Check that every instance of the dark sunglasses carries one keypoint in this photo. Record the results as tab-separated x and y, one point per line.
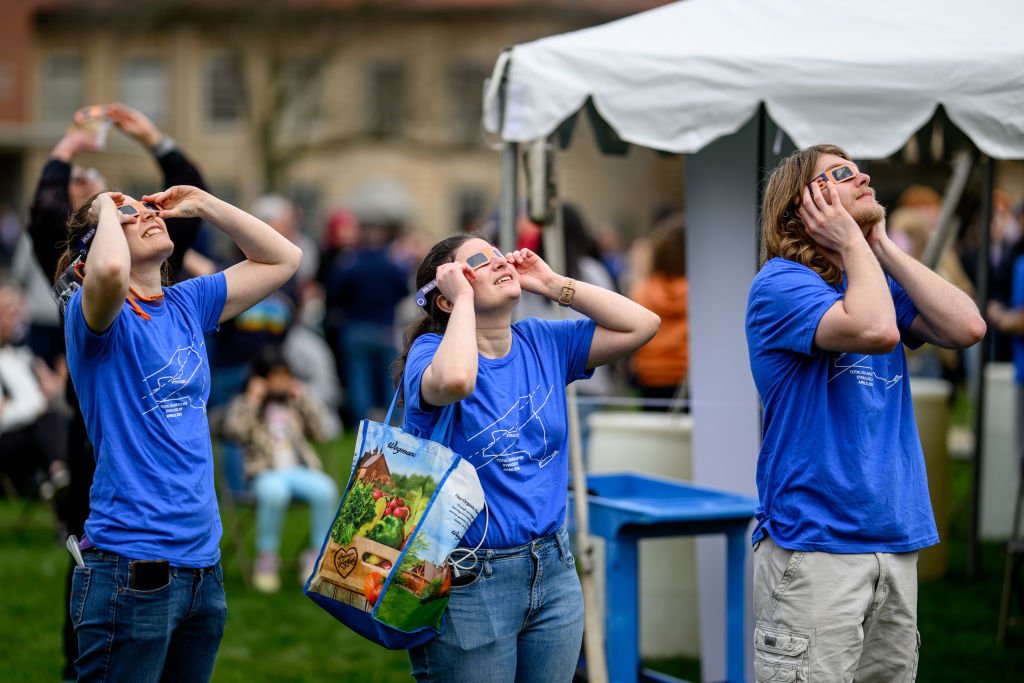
475	261
838	174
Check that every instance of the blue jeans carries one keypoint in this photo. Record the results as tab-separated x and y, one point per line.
368	350
168	634
520	618
274	490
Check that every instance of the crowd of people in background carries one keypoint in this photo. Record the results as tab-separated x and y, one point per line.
316	356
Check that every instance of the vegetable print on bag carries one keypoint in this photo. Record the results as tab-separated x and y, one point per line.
382	570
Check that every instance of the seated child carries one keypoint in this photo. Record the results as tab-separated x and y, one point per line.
274	421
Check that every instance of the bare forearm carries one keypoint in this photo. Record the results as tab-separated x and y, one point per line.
951	315
109	261
454	366
867	301
258	241
605	307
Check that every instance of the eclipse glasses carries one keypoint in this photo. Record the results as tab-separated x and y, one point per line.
130	207
838	174
475	261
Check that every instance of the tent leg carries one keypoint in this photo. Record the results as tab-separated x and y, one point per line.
978	384
508	208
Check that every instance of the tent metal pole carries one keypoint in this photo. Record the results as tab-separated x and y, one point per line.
978	383
509	200
945	233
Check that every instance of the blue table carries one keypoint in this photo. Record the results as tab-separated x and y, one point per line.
627	507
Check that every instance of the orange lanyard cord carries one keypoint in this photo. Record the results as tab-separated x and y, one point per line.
131	299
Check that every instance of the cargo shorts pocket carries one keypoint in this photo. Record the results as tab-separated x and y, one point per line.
780	655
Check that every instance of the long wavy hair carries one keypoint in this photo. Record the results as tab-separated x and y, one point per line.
435	320
782	232
79	223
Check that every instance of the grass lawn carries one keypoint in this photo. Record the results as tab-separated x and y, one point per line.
285	637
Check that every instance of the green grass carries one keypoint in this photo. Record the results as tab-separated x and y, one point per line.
285	637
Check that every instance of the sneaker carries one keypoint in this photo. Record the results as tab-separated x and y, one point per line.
264	574
307	565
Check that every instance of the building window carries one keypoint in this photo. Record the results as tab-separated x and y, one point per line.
466	93
301	79
386	98
144	86
61	89
225	92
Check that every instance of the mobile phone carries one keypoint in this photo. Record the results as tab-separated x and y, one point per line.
148	575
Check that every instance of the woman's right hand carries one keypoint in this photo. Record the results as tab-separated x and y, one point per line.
454	280
180	201
104	200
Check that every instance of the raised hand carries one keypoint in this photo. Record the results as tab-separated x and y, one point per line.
453	280
256	390
180	201
134	123
534	274
826	220
108	201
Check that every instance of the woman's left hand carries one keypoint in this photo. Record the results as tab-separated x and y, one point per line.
534	274
180	201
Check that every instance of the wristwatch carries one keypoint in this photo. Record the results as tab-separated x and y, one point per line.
568	291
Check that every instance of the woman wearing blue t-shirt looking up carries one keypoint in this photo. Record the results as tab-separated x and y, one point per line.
147	600
516	614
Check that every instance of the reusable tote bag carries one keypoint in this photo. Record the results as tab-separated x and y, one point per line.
382	570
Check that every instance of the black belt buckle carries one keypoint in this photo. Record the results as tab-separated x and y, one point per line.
148	575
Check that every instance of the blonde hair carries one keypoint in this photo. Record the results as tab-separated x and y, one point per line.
782	233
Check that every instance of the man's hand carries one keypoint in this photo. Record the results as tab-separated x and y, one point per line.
134	123
876	234
827	222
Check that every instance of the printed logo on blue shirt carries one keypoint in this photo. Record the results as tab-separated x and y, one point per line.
180	383
861	368
517	437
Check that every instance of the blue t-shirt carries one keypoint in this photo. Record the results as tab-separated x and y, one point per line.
143	386
514	427
841	468
1017	301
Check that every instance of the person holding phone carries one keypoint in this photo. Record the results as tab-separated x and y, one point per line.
516	607
841	479
147	598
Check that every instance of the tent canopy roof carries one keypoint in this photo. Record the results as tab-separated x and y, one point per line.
864	75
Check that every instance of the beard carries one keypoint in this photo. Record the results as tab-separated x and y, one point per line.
868	216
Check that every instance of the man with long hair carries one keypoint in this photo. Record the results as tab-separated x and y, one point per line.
841	478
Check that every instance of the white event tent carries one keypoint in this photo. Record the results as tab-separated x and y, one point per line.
691	77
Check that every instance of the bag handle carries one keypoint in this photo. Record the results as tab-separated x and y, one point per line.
442	432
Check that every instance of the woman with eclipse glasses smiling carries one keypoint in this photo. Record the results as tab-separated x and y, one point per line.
516	608
147	597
